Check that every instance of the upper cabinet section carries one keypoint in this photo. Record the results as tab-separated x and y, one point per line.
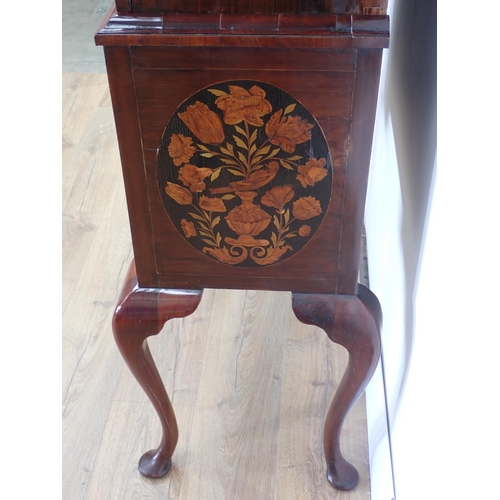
363	7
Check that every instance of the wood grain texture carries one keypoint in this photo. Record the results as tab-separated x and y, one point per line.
185	58
237	349
312	371
95	231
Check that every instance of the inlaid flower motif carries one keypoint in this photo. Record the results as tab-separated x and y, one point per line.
271	255
212	204
204	123
313	171
192	177
224	255
304	230
179	194
240	104
278	197
181	149
247	141
188	228
287	132
247	220
306	208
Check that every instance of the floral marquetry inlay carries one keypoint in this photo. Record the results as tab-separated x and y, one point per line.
245	173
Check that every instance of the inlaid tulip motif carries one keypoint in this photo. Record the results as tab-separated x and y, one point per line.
242	165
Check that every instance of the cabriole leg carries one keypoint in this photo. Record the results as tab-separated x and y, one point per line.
140	313
353	321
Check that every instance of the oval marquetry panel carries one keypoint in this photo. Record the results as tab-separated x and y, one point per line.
245	173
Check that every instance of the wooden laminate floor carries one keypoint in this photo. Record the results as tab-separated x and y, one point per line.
250	385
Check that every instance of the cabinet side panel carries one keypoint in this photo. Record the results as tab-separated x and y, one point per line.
326	93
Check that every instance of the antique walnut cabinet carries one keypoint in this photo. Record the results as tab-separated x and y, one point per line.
245	130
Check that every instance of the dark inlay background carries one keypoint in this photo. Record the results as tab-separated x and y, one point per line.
245	173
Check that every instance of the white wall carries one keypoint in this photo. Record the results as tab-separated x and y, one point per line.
400	188
433	239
